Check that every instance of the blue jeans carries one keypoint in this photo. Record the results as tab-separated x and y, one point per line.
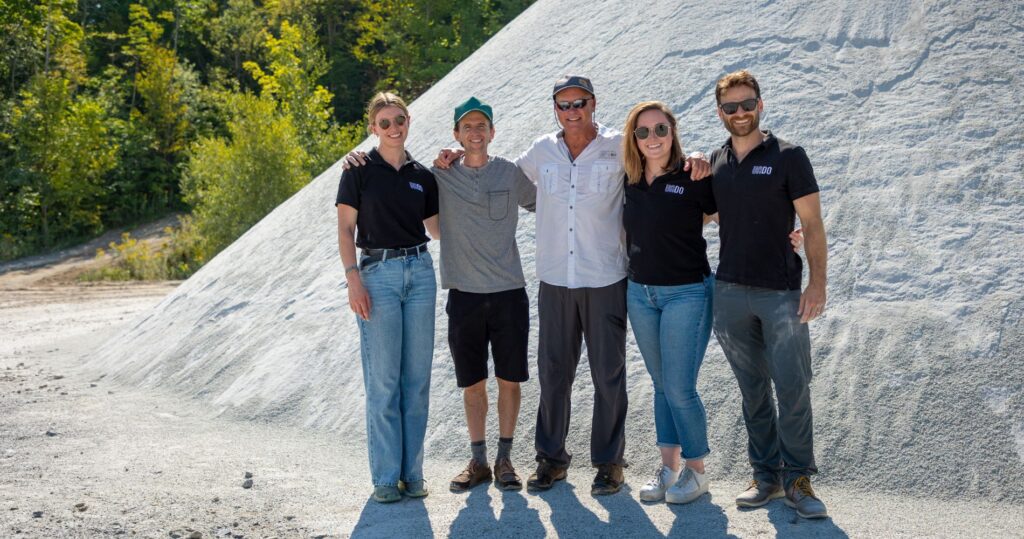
672	325
397	344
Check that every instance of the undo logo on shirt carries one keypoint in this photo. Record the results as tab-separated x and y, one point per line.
761	170
416	186
674	189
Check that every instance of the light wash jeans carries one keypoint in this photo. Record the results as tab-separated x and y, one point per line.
672	325
397	351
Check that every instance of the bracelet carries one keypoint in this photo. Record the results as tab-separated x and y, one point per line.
350	268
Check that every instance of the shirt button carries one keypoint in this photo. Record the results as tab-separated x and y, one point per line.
570	207
570	230
573	186
570	252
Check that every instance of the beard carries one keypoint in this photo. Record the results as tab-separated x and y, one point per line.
755	122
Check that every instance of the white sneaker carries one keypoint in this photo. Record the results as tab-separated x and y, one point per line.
690	486
654	490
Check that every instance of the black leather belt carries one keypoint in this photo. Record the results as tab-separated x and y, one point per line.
375	255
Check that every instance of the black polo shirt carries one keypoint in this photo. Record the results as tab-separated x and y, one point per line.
756	213
664	225
392	204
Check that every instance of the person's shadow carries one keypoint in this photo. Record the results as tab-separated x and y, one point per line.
571	519
406	518
788	524
477	519
699	518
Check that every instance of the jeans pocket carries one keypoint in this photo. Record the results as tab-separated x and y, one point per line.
368	265
497	205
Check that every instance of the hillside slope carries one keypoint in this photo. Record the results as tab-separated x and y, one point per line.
910	113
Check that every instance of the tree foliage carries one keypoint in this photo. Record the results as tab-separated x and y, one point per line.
117	111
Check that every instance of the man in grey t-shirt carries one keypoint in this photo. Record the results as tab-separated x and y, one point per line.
480	267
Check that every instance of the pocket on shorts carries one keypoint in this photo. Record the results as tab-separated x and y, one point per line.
497	204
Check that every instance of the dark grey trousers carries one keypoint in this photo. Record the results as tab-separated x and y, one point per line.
764	341
598	317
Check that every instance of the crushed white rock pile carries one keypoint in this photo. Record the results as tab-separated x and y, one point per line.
911	115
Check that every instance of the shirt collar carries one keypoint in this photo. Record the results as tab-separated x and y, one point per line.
374	157
769	140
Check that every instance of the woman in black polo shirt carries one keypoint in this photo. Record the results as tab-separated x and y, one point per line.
669	293
382	209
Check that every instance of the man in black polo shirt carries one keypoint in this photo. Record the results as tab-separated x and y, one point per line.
760	184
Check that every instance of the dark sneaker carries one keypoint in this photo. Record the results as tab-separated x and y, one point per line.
800	496
386	494
547	473
505	475
416	489
758	494
474	474
609	480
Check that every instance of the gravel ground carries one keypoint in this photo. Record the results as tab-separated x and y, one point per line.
83	457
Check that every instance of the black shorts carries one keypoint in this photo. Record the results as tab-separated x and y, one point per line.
499	318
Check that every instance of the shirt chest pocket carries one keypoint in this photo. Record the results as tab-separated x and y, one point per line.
550	182
497	205
604	178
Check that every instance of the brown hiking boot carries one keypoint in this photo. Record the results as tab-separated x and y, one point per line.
609	480
547	473
474	474
505	475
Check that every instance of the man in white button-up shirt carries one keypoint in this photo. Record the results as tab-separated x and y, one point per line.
581	263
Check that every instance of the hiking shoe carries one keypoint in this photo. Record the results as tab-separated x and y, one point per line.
415	489
386	494
609	480
758	494
654	490
800	496
690	486
474	474
505	475
547	473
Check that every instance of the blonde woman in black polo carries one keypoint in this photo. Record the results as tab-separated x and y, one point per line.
382	209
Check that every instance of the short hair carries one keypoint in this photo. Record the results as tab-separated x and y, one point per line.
632	159
736	78
380	101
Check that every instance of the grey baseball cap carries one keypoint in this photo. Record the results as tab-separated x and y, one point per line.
573	81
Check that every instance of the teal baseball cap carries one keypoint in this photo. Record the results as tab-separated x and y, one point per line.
470	105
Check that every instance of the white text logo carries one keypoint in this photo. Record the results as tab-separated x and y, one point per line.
761	170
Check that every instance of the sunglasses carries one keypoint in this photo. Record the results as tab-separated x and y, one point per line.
748	105
660	130
577	104
385	123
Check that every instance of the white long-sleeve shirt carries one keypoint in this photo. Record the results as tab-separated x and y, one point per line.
580	239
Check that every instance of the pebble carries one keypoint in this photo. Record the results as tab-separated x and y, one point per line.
37	514
248	475
216	499
247	483
51	433
81	506
195	535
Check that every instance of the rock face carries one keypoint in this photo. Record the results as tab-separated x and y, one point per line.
911	114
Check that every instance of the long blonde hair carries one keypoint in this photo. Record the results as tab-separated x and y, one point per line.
378	102
632	159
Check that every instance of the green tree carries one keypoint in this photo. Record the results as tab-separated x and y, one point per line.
59	154
232	183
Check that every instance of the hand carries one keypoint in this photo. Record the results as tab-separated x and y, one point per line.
796	238
358	297
698	166
812	303
447	156
353	159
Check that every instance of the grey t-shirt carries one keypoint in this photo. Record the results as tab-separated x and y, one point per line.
478	215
